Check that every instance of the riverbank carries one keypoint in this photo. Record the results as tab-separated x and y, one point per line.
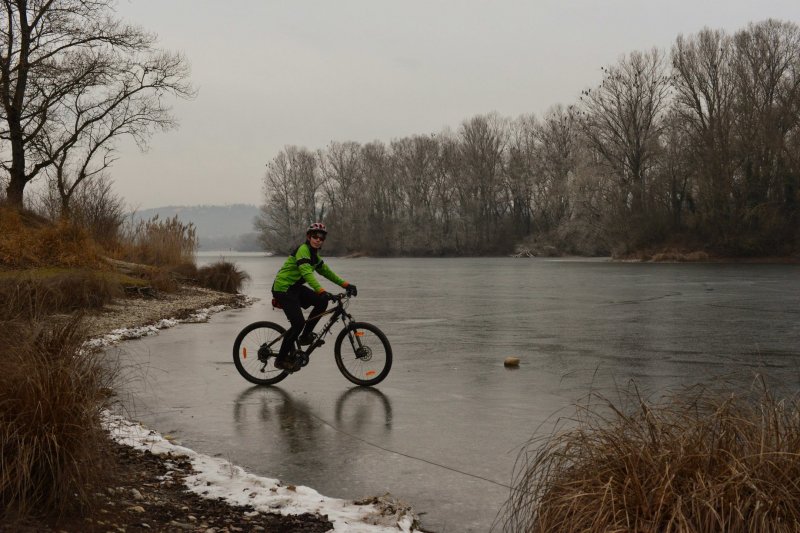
148	312
151	486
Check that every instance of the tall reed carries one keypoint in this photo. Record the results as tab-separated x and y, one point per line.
53	448
699	460
157	242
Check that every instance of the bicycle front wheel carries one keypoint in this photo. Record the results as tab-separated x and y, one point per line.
363	354
255	350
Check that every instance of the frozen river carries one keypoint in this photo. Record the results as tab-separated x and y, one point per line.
443	431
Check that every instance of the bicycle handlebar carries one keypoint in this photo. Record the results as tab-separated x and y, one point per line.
341	296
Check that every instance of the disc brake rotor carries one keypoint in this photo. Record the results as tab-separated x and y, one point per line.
364	353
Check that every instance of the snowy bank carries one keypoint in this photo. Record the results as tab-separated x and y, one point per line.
122	334
217	478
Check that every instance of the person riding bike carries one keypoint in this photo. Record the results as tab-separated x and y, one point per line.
291	293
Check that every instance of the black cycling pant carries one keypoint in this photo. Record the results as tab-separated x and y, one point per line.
293	301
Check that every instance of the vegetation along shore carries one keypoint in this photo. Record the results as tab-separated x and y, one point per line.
60	469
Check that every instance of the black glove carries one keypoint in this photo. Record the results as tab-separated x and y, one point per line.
351	290
330	296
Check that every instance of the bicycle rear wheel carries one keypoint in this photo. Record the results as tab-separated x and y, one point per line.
255	350
366	358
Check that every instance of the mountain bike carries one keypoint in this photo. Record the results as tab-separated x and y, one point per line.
362	351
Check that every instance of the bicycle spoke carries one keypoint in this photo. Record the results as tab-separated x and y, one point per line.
366	357
255	350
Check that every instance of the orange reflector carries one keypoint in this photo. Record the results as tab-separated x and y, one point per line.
244	353
359	333
370	373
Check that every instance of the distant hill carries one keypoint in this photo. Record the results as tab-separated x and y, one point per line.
219	227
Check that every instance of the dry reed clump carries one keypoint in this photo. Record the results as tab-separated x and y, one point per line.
697	461
28	241
158	242
53	451
222	276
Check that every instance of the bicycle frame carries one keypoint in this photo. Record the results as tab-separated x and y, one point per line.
338	312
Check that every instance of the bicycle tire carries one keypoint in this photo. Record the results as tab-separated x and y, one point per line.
252	365
366	369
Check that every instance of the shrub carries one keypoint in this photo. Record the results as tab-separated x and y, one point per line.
92	206
696	461
53	451
222	276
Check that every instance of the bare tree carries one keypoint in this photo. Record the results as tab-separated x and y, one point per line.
705	93
677	171
384	199
558	139
480	185
343	185
444	213
521	172
623	119
72	79
767	66
293	198
738	101
415	160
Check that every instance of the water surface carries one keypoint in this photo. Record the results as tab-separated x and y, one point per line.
443	431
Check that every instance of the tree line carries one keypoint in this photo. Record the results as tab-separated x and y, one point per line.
695	147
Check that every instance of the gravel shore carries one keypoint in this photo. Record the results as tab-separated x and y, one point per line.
144	311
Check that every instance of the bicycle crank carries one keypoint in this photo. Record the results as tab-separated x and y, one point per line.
299	360
302	359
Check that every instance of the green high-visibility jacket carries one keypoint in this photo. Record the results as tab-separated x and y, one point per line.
299	268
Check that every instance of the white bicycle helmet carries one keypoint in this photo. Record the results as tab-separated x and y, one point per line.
317	226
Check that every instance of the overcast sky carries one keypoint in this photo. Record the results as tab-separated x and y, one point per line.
272	73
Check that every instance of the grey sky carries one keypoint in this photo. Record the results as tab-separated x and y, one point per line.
272	73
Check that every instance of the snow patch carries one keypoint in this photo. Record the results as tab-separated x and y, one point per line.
123	334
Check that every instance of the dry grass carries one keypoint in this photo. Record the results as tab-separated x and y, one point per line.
27	241
696	461
34	293
52	446
222	276
162	249
163	243
185	271
53	449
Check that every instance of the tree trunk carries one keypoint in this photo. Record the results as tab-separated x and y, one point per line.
14	192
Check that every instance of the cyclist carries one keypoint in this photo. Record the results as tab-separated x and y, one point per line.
291	294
